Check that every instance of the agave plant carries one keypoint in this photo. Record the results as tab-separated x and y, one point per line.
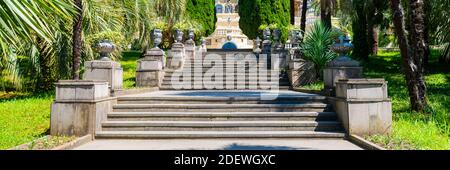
316	46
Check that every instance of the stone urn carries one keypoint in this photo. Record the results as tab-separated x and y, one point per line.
266	34
105	47
276	34
191	35
343	48
157	37
257	48
178	37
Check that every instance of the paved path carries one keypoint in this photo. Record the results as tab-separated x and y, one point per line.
221	144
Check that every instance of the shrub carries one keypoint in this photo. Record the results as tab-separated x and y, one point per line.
256	13
203	13
316	46
117	38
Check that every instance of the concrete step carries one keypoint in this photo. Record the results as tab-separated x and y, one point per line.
211	84
239	84
309	107
220	126
214	134
170	87
224	77
218	100
203	71
221	116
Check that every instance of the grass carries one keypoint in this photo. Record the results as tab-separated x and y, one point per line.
23	117
128	63
46	143
414	130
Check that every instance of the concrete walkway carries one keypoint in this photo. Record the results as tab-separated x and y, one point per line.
221	144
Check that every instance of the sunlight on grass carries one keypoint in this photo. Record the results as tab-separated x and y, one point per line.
128	63
24	119
414	130
411	134
314	86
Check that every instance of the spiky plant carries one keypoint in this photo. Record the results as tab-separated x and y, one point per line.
316	46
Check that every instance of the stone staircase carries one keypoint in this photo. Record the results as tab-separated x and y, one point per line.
216	115
221	113
241	77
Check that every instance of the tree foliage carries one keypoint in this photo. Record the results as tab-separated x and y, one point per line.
264	12
203	13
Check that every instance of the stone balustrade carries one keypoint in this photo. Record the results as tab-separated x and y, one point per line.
363	106
80	106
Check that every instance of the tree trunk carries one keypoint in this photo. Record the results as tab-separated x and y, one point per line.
427	7
359	27
325	12
420	48
293	12
372	32
46	77
303	20
77	40
413	73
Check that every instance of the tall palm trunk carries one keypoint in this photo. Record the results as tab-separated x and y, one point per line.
77	41
420	48
412	67
427	7
46	78
360	32
372	31
325	12
303	20
293	11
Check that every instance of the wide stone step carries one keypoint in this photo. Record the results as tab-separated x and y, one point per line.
223	82
214	134
220	126
309	107
218	100
221	116
211	84
203	71
170	87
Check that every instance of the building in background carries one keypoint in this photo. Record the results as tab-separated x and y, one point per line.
311	15
228	34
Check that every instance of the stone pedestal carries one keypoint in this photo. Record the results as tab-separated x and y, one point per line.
175	60
340	68
190	49
150	69
279	59
301	72
109	71
80	107
363	106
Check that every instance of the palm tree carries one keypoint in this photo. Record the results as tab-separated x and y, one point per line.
303	19
77	39
411	59
27	30
325	12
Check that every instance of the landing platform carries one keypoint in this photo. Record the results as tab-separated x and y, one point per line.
222	144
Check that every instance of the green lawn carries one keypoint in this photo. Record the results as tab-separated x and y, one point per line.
23	117
414	130
128	63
